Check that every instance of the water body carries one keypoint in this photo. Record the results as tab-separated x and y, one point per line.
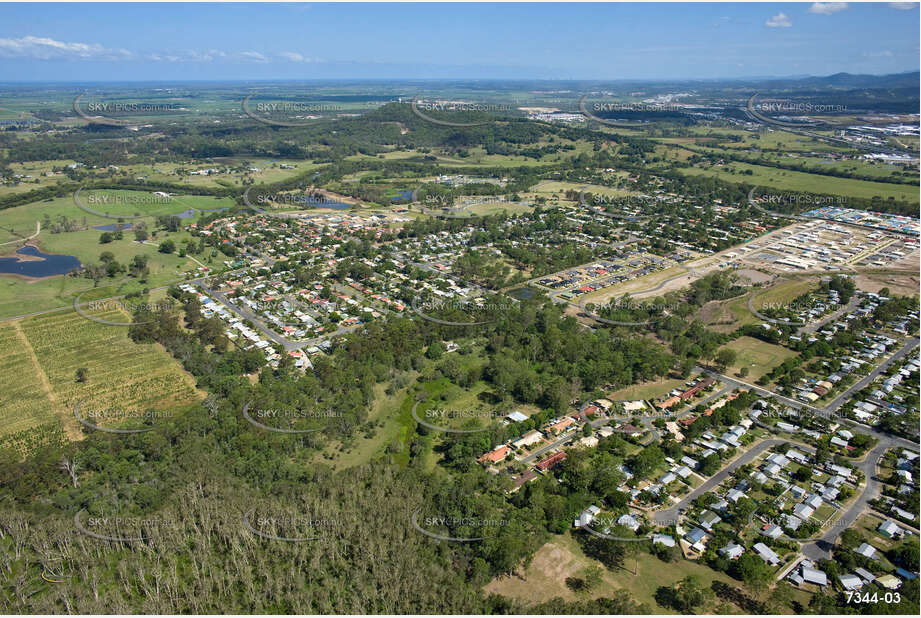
406	195
48	266
188	214
112	227
522	293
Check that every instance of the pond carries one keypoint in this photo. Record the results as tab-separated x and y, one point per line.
112	227
48	266
405	195
522	293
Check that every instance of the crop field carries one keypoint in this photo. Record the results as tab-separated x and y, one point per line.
121	375
24	403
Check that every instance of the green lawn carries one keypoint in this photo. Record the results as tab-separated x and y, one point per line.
801	181
647	390
759	356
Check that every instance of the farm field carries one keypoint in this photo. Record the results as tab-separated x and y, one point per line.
122	377
24	403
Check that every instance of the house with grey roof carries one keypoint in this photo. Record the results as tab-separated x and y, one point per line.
866	550
766	553
814	576
850	582
732	551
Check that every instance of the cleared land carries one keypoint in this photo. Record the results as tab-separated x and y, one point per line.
545	577
759	356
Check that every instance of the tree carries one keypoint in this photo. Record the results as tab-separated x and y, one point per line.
724	358
690	594
751	570
167	246
435	351
82	374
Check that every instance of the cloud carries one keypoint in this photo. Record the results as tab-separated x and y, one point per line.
252	56
903	6
827	8
880	54
43	48
186	56
779	21
296	57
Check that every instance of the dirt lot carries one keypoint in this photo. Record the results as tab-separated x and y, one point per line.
906	285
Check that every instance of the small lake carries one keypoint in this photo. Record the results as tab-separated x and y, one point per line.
406	195
333	205
112	227
48	266
522	293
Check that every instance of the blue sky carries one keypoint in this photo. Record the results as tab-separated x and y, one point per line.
101	42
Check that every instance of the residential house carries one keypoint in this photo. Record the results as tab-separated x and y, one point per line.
708	519
889	529
866	550
766	553
814	576
732	551
663	539
586	516
496	455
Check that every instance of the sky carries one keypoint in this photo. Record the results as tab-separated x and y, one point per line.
210	41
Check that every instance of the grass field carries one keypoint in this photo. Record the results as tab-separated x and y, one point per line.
783	292
724	316
800	181
43	354
19	296
759	356
646	390
562	557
